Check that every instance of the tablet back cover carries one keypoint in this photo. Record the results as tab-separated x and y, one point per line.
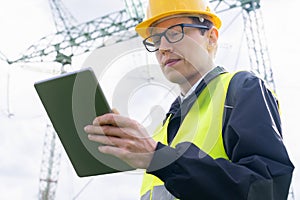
72	101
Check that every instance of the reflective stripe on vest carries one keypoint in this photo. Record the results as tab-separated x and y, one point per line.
203	123
159	193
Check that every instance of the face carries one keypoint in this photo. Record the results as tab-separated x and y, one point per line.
185	62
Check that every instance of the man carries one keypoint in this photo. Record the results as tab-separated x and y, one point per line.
221	138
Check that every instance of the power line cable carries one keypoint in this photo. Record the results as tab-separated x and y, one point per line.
83	188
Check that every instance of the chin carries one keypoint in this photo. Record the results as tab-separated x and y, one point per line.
176	78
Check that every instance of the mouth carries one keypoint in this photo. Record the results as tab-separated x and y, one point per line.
171	62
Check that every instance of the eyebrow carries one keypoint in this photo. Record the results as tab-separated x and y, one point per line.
153	28
150	29
152	32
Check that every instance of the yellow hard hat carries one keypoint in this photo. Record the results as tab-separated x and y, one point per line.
159	9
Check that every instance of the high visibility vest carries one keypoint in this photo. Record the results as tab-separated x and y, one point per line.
202	126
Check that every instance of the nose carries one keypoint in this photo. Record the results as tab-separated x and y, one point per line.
164	46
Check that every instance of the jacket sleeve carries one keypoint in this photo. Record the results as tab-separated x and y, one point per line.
259	166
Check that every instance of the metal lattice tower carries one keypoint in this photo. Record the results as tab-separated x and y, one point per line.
63	45
255	35
63	19
291	194
73	40
51	149
3	57
256	41
50	165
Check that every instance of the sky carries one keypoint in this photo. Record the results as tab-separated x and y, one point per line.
23	121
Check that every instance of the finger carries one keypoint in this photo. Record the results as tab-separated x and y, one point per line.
112	141
114	120
107	131
112	150
114	110
91	129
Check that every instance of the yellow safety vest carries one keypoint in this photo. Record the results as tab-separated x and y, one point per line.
202	126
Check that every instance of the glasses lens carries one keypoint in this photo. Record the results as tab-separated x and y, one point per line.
174	34
152	43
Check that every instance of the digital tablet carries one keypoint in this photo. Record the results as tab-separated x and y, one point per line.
72	100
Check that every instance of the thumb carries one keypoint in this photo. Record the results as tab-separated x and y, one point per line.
114	110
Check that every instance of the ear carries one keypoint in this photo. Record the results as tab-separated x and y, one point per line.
213	36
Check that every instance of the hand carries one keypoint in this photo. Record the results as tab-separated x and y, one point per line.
123	138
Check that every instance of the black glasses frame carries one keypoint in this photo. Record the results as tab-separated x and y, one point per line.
148	42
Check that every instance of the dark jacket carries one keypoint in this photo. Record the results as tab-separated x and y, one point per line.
259	166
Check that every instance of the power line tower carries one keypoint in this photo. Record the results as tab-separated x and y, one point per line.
51	155
3	57
50	165
78	39
257	45
69	40
255	35
63	19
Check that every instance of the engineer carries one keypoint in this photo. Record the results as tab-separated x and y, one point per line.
222	137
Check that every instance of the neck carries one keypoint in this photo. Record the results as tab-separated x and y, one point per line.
186	86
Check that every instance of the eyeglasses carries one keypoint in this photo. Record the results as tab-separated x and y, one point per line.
173	34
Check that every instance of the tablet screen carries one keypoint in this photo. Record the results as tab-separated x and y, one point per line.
72	101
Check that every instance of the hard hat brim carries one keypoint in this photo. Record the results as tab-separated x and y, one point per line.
142	28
